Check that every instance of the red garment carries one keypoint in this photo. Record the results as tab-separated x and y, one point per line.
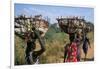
72	53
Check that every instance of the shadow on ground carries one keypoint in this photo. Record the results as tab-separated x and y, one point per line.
87	59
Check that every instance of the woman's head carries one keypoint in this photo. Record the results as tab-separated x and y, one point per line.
72	37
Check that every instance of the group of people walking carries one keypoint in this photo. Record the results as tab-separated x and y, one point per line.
72	51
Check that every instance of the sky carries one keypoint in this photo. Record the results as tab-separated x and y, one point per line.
53	11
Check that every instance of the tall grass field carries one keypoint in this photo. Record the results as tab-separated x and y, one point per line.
54	43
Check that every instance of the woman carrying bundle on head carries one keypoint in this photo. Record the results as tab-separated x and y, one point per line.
32	56
70	54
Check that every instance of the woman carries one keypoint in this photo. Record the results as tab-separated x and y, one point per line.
70	54
32	56
86	43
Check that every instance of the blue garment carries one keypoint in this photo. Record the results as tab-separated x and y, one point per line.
85	45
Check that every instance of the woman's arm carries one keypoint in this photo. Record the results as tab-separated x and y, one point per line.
65	56
41	43
65	53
